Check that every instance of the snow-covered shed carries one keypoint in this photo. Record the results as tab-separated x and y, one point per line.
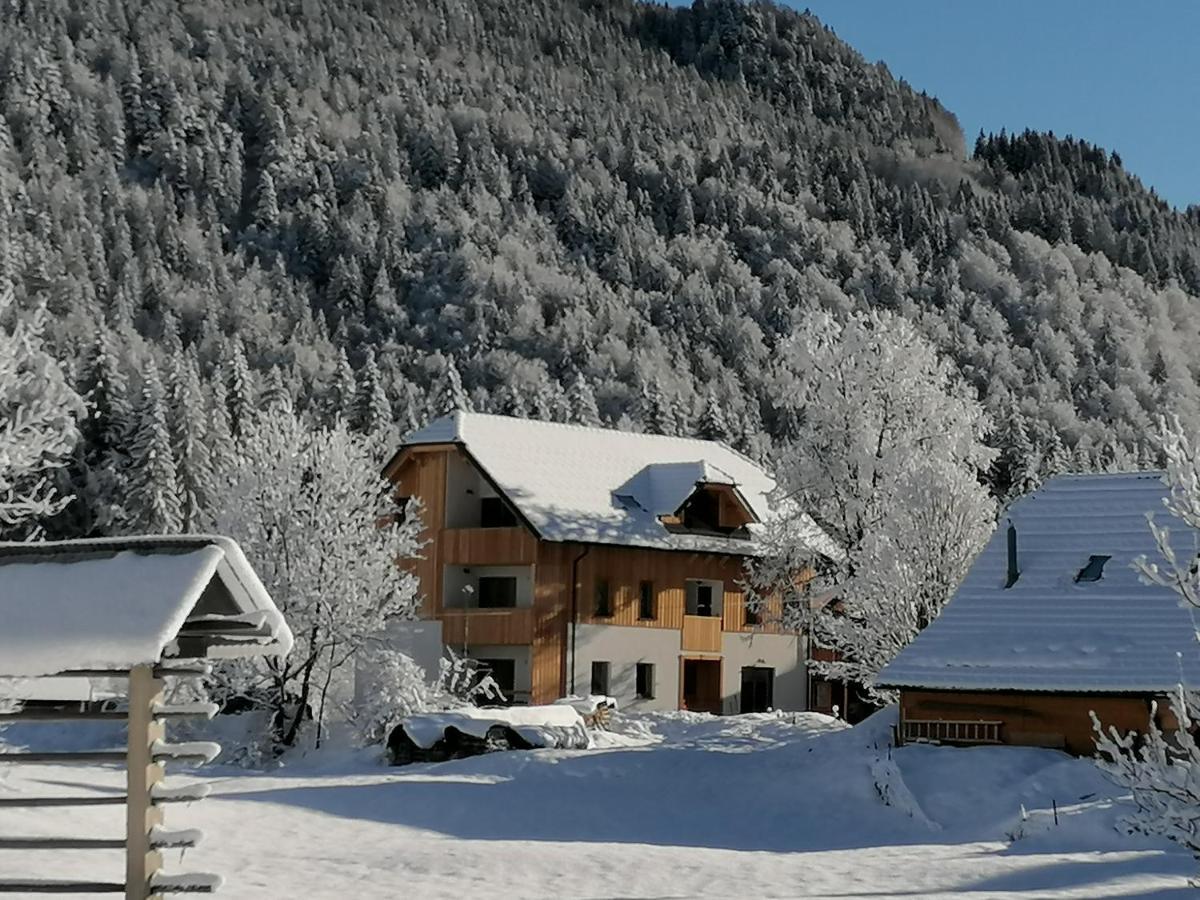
1053	621
112	604
136	610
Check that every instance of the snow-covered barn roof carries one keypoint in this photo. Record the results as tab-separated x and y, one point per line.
597	485
1049	631
111	604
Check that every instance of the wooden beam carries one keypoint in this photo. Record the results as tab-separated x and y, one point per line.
142	861
62	715
38	886
61	843
45	802
61	756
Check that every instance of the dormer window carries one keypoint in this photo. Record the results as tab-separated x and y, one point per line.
1093	570
627	502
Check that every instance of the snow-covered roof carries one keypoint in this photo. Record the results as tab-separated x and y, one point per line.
111	604
596	485
1049	632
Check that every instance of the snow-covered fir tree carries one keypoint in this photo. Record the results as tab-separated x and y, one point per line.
153	480
38	416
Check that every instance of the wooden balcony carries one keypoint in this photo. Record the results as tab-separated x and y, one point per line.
487	546
471	627
702	633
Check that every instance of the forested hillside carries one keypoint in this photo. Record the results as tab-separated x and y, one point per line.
588	210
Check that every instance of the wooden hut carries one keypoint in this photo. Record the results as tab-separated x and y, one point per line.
138	611
1054	622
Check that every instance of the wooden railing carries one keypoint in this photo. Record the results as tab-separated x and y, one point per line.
487	546
950	731
702	633
471	627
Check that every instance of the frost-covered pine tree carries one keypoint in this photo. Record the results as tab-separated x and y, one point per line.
713	426
582	402
315	518
1162	768
888	461
154	496
373	411
189	439
450	394
38	415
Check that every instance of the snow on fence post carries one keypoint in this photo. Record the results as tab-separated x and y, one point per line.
142	861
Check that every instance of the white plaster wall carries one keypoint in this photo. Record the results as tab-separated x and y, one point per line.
623	647
782	652
465	487
422	641
455	578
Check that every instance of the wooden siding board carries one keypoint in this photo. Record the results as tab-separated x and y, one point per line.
476	627
487	546
701	633
1031	719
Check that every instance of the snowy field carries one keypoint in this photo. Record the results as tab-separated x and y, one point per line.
679	805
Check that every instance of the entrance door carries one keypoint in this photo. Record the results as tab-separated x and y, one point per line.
758	684
702	685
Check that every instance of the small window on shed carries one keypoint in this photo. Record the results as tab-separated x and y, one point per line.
1094	568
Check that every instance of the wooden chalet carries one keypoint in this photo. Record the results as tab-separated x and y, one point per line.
1053	622
575	560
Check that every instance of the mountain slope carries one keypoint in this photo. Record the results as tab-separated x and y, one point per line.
570	203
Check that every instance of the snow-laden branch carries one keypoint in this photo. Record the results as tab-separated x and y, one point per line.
38	412
1161	766
887	459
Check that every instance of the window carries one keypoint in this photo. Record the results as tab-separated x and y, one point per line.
646	604
400	510
753	616
704	598
701	512
1094	568
645	681
503	672
495	513
600	678
497	592
603	598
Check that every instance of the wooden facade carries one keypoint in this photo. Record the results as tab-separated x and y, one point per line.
1025	718
620	573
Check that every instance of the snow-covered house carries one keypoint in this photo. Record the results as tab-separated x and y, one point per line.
573	560
1052	622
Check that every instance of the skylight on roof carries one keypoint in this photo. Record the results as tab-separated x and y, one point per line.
1094	568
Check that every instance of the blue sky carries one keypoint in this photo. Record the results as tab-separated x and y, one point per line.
1124	75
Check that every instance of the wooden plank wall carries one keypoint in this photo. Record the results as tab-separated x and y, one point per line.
1032	719
423	474
701	634
499	626
488	546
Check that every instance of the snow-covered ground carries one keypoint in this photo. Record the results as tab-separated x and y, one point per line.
675	805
